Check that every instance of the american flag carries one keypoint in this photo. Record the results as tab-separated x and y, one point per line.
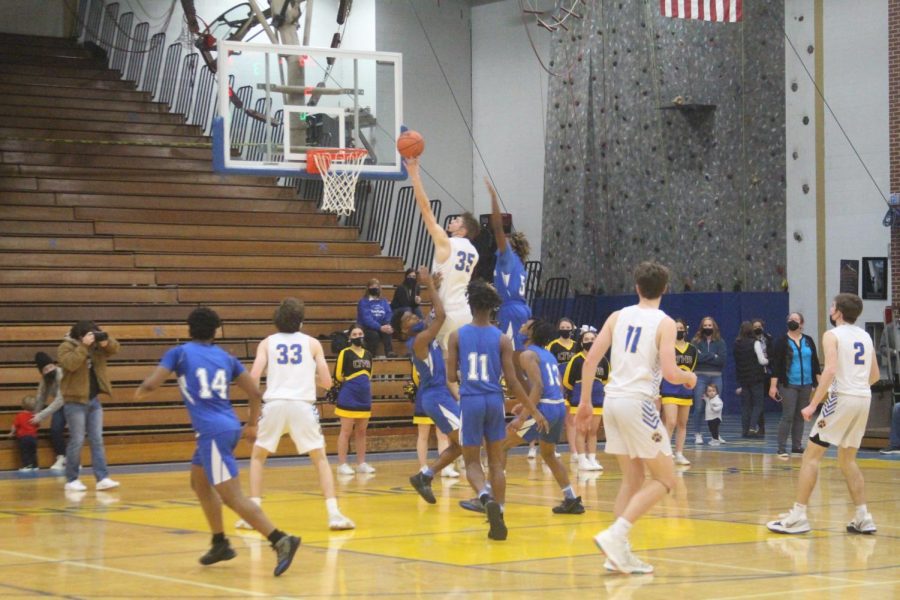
726	11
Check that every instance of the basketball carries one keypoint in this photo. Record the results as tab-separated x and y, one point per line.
410	144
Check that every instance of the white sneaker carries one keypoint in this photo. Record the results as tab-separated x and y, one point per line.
339	522
106	484
557	455
615	548
789	523
573	457
636	566
364	468
345	469
75	486
596	465
60	465
242	524
28	469
721	440
584	464
449	471
532	452
681	460
698	439
715	442
865	525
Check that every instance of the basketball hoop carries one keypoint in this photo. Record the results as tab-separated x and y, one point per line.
340	169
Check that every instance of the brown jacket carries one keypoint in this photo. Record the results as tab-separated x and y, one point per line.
73	357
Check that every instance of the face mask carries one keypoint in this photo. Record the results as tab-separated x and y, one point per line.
374	292
587	345
679	335
565	333
357	342
757	331
793	325
707	331
410	281
418	327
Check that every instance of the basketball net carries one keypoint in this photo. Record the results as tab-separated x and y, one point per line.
340	169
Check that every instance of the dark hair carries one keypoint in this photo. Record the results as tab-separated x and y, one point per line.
542	333
41	360
651	279
289	315
566	320
473	227
355	326
408	271
482	296
746	330
760	321
519	244
799	314
81	329
711	385
397	318
850	306
202	323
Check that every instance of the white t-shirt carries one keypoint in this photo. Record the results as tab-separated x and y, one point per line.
634	360
456	273
855	353
291	372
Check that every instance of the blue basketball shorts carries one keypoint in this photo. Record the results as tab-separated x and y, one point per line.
440	405
510	318
215	453
482	417
556	418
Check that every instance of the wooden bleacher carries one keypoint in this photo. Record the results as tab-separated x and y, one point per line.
109	211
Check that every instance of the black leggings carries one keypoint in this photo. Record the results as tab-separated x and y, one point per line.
713	425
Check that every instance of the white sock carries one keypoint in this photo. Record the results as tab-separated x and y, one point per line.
621	527
256	500
592	457
861	511
800	508
331	506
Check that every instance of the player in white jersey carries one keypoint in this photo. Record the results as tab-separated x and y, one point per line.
642	338
294	363
455	256
850	370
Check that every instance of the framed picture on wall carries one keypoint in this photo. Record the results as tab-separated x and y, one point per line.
849	276
874	278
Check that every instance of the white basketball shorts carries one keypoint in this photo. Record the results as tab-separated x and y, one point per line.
633	428
842	420
298	418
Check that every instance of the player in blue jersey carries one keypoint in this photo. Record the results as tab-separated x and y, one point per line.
437	402
204	373
545	391
478	354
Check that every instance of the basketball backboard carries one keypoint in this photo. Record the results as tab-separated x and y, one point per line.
288	99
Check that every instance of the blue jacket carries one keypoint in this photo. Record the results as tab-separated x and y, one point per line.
710	355
372	314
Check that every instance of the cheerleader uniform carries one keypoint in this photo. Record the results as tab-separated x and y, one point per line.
354	372
563	349
572	381
686	360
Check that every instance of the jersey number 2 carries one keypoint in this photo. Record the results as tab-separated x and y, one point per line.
860	351
634	334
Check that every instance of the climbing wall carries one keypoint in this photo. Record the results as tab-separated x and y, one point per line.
665	141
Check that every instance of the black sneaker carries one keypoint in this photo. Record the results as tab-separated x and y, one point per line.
285	548
796	450
422	483
495	518
570	506
890	450
218	553
474	505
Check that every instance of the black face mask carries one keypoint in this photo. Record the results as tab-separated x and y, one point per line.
679	335
707	331
357	342
374	292
793	325
587	345
565	333
758	331
410	282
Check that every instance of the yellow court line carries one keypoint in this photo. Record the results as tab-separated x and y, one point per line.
85	565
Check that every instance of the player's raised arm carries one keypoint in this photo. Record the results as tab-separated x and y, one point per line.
496	220
591	362
665	336
323	375
260	362
152	382
424	339
437	233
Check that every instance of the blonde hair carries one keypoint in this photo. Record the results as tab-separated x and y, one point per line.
29	402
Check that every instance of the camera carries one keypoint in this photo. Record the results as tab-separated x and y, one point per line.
100	336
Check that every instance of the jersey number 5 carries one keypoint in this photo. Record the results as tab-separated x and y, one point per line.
465	262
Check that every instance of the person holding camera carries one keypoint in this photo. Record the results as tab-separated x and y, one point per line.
82	356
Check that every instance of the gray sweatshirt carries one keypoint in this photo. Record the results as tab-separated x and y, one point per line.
49	391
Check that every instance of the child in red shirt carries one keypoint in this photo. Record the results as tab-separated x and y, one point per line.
25	433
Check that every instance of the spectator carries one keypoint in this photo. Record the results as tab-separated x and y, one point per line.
795	371
710	363
25	433
51	376
406	296
750	365
894	447
714	406
353	371
374	314
759	330
82	356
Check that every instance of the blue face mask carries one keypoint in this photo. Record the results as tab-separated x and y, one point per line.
418	327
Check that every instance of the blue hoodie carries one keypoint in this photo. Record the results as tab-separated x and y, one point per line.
373	313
